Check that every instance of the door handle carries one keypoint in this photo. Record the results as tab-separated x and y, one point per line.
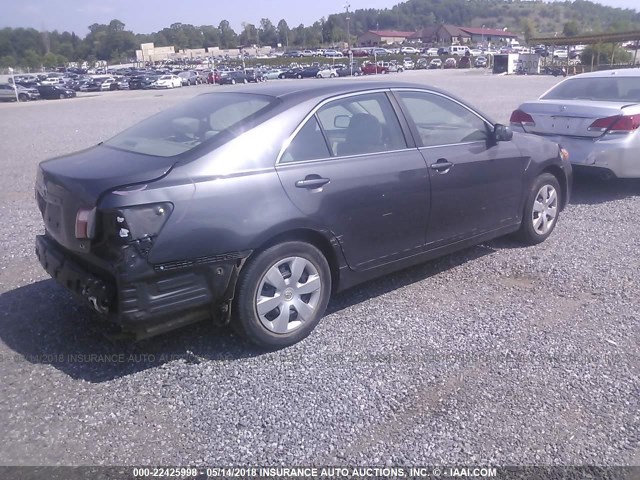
312	182
441	164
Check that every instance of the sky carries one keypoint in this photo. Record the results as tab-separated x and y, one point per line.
147	16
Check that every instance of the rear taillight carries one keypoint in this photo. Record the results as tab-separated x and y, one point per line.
616	124
85	221
522	118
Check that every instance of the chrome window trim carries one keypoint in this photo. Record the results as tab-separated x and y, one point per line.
345	157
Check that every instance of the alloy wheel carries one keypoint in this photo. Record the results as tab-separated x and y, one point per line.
545	209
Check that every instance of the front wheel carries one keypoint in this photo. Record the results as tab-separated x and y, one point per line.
299	76
281	295
233	81
541	210
23	97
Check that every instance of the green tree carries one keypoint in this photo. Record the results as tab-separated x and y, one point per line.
283	33
8	61
228	37
528	29
571	29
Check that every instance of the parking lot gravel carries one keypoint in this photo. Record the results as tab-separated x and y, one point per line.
498	354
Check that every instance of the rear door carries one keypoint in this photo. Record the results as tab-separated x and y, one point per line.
476	184
350	170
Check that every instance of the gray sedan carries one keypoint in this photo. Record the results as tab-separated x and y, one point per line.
252	207
595	116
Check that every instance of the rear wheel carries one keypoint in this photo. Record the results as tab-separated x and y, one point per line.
244	80
541	210
281	295
299	76
233	81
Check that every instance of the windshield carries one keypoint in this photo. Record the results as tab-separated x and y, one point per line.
184	127
606	89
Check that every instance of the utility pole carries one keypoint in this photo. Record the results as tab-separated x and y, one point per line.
346	7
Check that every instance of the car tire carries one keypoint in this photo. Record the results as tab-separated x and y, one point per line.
333	75
244	80
23	97
281	77
233	81
61	96
299	76
267	275
541	210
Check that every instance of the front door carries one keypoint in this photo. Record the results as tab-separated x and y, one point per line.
476	183
349	169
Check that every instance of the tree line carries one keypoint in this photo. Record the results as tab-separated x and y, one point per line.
30	48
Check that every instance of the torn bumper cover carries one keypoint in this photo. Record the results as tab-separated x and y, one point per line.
143	298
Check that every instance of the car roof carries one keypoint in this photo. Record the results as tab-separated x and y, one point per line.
296	92
301	91
623	72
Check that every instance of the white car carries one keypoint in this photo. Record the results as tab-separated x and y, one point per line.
560	53
432	52
168	81
273	74
106	84
408	64
333	53
327	73
409	50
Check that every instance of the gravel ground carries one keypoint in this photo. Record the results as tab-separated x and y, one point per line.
497	354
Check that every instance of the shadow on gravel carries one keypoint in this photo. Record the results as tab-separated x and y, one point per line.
589	190
405	277
43	324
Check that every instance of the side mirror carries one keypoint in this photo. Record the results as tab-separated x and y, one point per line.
502	133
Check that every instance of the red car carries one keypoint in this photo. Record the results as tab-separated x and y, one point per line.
372	68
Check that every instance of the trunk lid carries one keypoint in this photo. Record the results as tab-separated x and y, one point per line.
569	117
66	184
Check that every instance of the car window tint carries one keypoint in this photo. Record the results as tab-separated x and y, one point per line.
442	121
308	144
186	126
361	124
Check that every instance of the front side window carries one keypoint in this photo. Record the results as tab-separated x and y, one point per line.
221	116
442	121
361	124
308	144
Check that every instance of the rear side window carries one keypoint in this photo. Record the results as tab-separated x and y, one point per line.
220	116
606	89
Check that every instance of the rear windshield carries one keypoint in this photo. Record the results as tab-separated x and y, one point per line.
606	89
188	125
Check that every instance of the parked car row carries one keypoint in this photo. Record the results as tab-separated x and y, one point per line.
20	93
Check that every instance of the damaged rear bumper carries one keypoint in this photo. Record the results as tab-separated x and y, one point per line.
143	298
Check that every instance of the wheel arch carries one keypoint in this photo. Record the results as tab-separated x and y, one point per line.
328	247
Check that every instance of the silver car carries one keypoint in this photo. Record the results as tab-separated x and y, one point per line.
8	93
595	116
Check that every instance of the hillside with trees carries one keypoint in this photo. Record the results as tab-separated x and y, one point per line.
30	48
